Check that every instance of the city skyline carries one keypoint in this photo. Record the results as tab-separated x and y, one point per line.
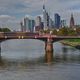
12	12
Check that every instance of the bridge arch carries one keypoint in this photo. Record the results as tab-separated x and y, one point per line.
28	47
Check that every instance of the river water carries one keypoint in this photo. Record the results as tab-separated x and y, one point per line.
24	60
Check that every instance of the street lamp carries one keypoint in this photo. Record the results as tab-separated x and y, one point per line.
74	29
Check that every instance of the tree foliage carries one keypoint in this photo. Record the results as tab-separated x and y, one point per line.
78	30
63	31
5	30
72	32
54	32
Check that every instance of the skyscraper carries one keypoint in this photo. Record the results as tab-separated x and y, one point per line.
45	18
51	23
38	21
72	23
24	29
63	23
21	23
31	25
57	20
26	24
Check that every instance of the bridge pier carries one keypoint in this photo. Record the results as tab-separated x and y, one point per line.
48	51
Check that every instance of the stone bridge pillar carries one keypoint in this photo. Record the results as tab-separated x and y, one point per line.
49	50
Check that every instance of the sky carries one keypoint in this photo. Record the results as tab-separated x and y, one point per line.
12	12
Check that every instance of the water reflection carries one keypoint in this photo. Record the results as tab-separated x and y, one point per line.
64	53
24	61
33	51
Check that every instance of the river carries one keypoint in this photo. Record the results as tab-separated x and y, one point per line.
24	60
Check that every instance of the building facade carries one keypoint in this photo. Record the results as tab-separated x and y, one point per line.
72	23
38	24
26	24
57	20
38	21
22	27
63	23
51	23
31	25
45	18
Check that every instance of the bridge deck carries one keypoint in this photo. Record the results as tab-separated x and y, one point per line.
28	35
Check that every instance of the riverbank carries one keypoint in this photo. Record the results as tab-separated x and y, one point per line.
73	43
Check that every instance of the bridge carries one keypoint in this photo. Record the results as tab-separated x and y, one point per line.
47	38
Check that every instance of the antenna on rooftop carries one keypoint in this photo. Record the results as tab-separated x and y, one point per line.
43	4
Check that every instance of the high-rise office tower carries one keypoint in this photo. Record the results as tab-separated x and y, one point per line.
51	23
38	21
72	23
63	23
31	25
57	20
45	18
22	27
26	24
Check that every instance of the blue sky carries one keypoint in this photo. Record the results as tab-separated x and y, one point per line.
13	11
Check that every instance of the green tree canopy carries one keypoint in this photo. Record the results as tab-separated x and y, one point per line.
63	31
5	30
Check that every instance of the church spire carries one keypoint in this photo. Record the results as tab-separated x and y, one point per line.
72	23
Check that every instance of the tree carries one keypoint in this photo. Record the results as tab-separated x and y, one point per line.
4	30
63	31
54	32
0	29
47	31
78	30
72	32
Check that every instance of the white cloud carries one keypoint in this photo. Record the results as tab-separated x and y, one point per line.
9	22
22	8
6	17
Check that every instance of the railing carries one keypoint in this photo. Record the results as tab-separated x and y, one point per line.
22	35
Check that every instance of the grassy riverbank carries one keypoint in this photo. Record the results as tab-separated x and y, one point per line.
72	42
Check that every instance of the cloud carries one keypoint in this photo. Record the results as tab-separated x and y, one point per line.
15	7
9	22
6	17
12	11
